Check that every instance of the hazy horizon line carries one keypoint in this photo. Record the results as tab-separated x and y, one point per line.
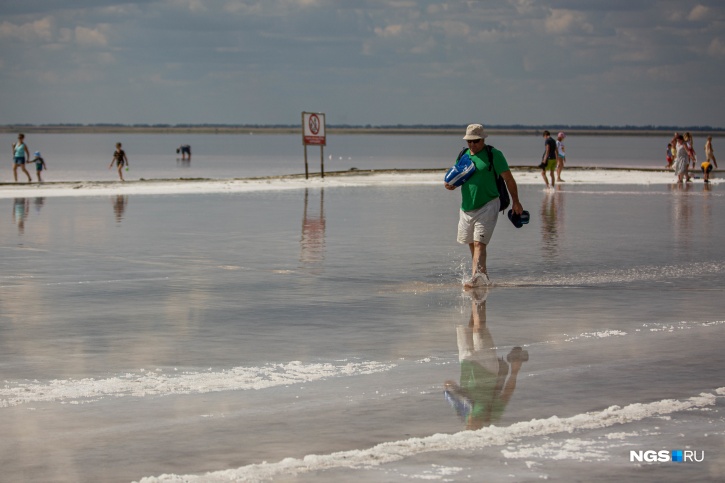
444	126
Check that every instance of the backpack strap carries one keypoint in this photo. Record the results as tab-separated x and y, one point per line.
489	151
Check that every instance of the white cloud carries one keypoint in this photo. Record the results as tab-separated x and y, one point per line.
91	37
716	48
190	5
389	31
452	28
41	29
699	12
567	21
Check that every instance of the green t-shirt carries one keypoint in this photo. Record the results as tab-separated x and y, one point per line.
481	187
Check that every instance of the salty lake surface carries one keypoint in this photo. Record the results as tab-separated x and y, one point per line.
147	335
75	157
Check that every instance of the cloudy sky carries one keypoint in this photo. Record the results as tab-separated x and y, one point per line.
615	62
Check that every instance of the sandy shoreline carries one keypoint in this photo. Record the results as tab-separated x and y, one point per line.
524	176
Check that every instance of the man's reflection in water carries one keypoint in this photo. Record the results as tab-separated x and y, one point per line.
119	206
487	381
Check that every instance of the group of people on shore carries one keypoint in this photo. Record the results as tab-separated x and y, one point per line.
681	155
21	157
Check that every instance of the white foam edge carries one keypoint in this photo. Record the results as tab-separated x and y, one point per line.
155	383
466	440
181	186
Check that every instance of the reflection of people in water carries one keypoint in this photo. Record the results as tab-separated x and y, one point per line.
487	381
38	203
185	150
119	206
21	206
552	211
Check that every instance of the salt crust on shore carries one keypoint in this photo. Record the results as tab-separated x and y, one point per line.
465	440
332	180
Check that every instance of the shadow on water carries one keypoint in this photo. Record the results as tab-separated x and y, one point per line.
487	381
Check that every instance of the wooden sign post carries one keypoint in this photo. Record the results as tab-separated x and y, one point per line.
313	132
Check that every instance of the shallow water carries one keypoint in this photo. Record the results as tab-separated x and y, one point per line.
86	157
145	335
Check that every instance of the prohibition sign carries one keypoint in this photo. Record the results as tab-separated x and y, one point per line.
314	124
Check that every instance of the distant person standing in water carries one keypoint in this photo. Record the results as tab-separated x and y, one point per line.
707	165
682	160
20	156
119	157
548	160
709	152
184	149
690	146
560	155
39	165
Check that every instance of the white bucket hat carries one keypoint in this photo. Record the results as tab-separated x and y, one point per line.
475	131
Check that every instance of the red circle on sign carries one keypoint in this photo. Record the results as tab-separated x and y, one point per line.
314	124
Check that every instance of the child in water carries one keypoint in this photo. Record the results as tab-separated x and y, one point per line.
39	165
668	156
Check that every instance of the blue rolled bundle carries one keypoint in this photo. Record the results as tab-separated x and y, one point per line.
460	172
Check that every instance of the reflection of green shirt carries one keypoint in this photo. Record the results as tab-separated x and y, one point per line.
480	386
481	187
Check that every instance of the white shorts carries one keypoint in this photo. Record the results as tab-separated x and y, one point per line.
478	225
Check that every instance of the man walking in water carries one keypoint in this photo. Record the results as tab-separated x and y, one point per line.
480	202
548	161
21	154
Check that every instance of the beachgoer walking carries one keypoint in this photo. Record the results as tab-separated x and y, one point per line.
20	156
690	146
673	150
119	157
184	149
39	165
709	152
682	160
548	160
669	156
560	155
480	202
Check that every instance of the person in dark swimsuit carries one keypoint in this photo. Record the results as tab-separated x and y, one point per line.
119	157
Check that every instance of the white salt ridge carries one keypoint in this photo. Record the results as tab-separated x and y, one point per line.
75	391
682	325
465	440
571	449
597	335
179	186
635	274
